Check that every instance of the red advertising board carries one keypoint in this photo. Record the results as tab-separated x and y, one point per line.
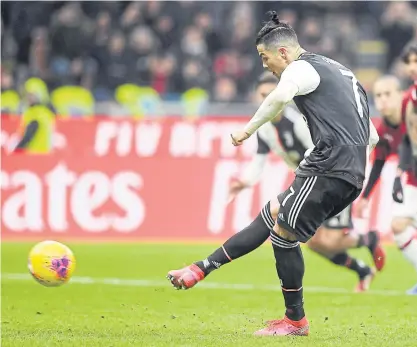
112	179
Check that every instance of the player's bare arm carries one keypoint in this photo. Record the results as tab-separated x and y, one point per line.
299	78
271	108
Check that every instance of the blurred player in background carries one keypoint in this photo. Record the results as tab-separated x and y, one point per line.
328	179
404	222
387	96
289	138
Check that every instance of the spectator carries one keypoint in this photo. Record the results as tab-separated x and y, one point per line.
289	16
347	38
398	25
166	31
193	75
131	17
229	63
25	16
39	53
70	36
152	10
204	22
7	81
116	64
102	29
162	70
311	33
193	44
143	43
225	90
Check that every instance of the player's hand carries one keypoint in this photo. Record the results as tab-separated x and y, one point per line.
238	137
361	206
397	190
236	186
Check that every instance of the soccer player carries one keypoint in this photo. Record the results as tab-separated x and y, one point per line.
327	180
404	222
387	96
290	138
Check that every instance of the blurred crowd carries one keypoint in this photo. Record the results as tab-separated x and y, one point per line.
175	46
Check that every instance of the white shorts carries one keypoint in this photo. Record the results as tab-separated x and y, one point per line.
408	209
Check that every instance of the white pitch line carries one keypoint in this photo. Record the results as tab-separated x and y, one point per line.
203	285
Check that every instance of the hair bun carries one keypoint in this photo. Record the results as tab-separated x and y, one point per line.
274	17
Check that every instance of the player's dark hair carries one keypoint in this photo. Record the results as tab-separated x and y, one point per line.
275	31
410	49
265	78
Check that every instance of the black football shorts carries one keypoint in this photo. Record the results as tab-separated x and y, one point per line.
343	220
310	201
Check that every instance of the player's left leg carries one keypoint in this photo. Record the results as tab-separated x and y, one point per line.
290	268
302	209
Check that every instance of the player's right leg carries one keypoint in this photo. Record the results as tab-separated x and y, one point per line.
404	227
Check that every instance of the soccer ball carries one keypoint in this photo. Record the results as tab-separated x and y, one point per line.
51	263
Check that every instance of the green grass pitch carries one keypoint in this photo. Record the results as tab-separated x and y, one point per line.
119	297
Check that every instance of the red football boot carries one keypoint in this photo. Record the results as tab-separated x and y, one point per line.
284	327
379	257
378	253
186	277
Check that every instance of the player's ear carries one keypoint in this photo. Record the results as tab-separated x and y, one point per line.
282	52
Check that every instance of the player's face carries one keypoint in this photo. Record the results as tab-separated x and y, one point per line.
387	97
411	66
273	60
263	91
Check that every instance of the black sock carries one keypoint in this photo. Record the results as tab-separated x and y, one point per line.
290	268
361	241
372	240
343	259
241	243
369	240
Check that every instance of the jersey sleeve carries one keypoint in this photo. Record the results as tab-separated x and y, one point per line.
373	177
30	132
405	154
382	149
302	74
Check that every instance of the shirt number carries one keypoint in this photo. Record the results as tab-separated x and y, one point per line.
349	74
